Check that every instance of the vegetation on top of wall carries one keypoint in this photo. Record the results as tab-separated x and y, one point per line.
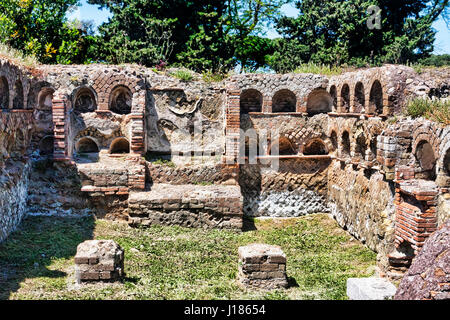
318	68
17	57
432	109
182	74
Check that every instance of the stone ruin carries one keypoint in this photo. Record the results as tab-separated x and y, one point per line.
262	266
99	260
131	144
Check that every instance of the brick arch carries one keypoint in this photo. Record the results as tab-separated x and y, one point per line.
4	92
315	146
444	159
361	144
359	98
334	95
87	144
285	146
250	100
345	143
45	97
84	99
427	133
284	100
119	145
345	98
106	83
46	145
19	95
376	97
120	100
319	101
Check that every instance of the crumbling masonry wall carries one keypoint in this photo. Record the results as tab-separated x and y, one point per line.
16	129
273	145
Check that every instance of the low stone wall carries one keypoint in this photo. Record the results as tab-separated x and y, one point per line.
196	174
297	188
13	197
188	206
363	204
112	176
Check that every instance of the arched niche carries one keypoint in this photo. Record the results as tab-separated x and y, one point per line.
46	146
319	101
251	100
360	98
45	98
333	94
119	146
86	145
282	147
4	93
426	160
18	101
85	100
315	147
334	140
345	144
120	100
447	163
361	146
345	98
284	101
376	97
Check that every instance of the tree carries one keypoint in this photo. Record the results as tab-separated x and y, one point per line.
336	32
204	35
40	28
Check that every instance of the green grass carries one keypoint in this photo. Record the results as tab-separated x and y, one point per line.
183	75
180	263
435	110
210	77
319	69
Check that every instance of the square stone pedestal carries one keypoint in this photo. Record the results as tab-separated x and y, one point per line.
99	260
262	266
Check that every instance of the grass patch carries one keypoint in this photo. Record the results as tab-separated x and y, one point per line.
181	263
319	69
183	75
210	77
435	110
18	57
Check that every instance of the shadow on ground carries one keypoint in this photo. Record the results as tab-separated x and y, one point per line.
39	241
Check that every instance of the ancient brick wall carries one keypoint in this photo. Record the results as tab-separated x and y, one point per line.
193	174
16	129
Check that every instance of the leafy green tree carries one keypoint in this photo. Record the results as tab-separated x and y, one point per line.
336	32
204	35
40	28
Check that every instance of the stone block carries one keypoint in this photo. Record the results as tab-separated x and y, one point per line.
370	289
99	260
262	266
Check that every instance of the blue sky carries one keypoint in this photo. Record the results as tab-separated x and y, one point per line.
91	12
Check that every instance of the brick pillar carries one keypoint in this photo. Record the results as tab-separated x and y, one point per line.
59	121
137	145
232	126
267	104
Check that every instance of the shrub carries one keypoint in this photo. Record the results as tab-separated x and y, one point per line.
183	75
435	110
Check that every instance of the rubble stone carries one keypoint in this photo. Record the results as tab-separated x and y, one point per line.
99	260
262	266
